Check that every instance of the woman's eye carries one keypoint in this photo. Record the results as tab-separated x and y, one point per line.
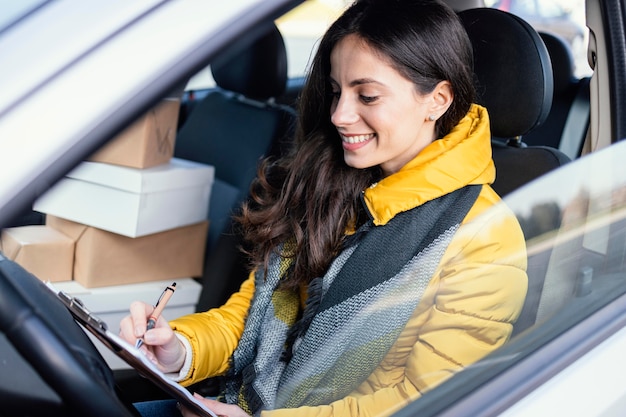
335	94
368	99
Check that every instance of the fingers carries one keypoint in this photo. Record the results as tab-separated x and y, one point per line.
167	349
133	326
139	313
160	345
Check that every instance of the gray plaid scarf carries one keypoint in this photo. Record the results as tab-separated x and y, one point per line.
353	315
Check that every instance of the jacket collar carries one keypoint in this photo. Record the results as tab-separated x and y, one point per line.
460	158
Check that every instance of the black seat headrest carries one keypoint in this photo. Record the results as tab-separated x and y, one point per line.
513	70
258	72
563	65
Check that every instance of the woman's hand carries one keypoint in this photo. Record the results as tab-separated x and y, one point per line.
219	408
160	344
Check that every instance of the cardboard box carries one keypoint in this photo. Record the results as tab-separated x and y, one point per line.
44	252
111	304
103	258
129	201
146	143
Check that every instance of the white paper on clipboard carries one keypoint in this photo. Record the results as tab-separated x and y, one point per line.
133	356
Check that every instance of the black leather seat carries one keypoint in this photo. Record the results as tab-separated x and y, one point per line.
233	126
515	84
566	125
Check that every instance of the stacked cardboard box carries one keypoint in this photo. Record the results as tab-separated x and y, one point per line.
146	143
41	250
123	225
129	214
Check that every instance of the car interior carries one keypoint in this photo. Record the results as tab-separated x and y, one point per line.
242	106
539	113
566	126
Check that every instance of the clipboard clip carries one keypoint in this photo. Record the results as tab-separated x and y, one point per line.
80	312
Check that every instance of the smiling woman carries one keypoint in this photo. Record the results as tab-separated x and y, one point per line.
354	313
382	117
375	274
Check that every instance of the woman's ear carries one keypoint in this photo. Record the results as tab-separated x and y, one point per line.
442	97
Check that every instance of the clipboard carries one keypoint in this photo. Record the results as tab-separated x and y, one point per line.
133	356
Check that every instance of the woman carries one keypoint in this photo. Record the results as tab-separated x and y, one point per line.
377	270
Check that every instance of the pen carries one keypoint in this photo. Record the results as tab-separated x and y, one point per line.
158	309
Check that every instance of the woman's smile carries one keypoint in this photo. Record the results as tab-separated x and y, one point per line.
352	142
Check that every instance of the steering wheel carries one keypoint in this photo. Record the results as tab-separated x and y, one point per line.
46	338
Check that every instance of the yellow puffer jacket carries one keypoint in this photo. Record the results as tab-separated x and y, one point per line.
467	310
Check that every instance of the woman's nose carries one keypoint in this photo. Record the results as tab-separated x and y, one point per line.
343	112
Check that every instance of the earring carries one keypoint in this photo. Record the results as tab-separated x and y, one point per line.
432	118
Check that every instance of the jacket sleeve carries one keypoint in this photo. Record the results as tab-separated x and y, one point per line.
215	333
466	313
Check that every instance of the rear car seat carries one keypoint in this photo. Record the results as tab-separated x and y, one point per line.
232	128
235	125
566	125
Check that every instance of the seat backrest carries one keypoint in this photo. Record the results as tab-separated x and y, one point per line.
232	128
566	125
235	125
517	166
515	84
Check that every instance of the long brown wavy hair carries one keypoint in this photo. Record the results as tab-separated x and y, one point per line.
309	197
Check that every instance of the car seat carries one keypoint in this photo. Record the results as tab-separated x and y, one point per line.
566	125
516	87
237	123
515	84
232	128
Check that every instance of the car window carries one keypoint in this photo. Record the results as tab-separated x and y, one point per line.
303	26
523	7
565	18
550	10
301	29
